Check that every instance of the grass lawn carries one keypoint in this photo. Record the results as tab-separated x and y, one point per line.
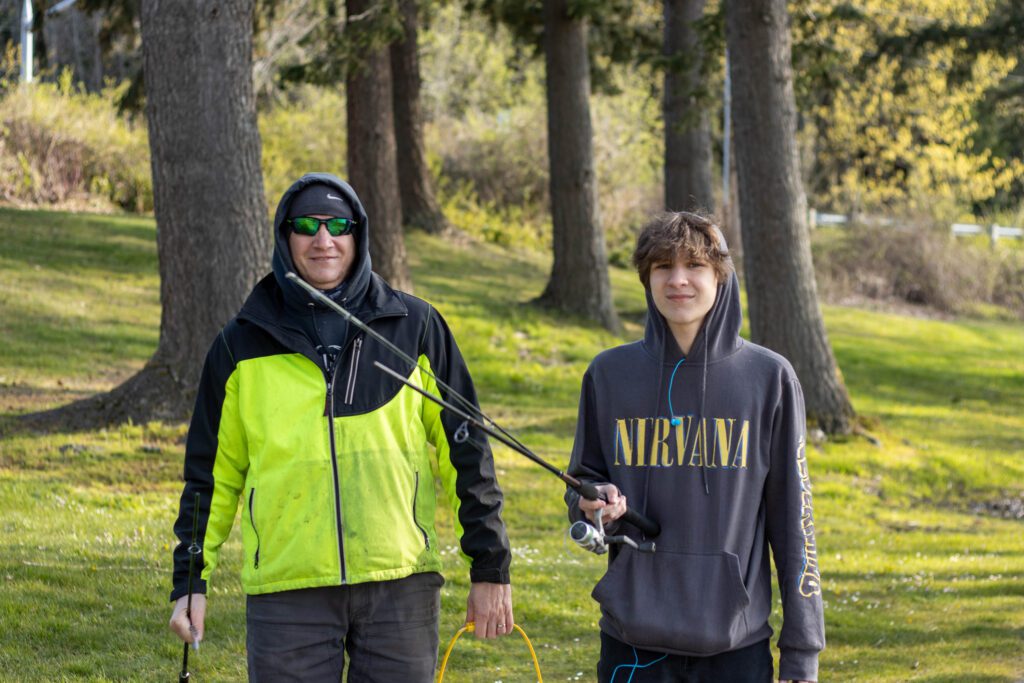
923	580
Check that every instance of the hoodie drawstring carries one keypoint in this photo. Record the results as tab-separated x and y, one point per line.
675	421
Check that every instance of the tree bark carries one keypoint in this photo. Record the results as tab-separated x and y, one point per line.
73	41
372	164
781	292
579	275
213	236
419	201
688	152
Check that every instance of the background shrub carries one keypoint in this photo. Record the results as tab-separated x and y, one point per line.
918	264
63	146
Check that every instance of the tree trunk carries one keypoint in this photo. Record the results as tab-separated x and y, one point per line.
73	41
579	276
688	153
372	167
781	292
419	202
213	236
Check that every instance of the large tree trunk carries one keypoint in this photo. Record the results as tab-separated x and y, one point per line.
213	235
372	167
687	129
579	276
419	202
73	41
781	293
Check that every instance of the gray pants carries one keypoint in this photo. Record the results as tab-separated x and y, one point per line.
388	629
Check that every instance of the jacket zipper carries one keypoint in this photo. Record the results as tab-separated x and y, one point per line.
252	520
350	389
334	466
415	497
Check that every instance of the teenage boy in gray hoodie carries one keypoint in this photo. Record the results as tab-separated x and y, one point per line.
703	432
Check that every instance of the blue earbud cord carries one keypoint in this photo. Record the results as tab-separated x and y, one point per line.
636	665
675	421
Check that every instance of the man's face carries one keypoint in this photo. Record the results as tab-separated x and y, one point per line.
323	261
684	291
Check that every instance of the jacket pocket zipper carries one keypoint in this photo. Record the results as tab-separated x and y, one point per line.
252	520
415	497
350	389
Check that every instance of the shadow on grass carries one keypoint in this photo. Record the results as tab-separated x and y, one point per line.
98	243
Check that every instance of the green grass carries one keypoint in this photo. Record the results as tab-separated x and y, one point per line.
917	585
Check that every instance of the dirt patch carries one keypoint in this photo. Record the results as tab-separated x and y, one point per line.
1004	507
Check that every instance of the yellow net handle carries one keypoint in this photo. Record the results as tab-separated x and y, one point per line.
471	627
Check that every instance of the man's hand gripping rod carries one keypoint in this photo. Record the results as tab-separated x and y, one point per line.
649	527
193	550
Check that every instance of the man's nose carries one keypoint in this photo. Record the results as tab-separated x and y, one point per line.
322	237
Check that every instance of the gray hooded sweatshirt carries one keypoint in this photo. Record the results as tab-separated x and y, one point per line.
726	479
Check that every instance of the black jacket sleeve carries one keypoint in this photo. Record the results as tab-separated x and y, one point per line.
464	459
201	450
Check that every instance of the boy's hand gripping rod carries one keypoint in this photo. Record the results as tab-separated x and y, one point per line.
649	527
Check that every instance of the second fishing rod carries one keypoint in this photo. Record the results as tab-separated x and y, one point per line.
471	414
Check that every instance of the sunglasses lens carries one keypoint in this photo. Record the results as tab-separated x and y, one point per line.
338	226
304	225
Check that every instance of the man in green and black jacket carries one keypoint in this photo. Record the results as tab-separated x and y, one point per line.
332	462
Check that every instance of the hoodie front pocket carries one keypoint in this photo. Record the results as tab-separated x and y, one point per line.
688	603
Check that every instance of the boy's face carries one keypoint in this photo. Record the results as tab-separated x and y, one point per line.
684	291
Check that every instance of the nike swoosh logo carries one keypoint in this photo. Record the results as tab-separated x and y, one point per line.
331	196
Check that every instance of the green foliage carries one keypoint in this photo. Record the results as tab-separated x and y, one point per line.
62	145
336	43
920	580
618	31
887	133
302	133
488	129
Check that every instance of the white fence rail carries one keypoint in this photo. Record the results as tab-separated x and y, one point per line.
995	231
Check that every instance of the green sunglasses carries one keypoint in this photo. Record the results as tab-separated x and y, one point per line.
309	226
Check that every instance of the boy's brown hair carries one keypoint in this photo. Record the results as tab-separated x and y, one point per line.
681	232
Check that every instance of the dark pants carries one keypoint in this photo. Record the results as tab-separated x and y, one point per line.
387	628
621	663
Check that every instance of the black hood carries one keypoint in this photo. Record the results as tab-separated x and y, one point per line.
350	292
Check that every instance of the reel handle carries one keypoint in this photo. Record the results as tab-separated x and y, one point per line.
648	526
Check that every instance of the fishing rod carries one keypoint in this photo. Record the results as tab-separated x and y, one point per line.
585	489
351	319
479	420
193	550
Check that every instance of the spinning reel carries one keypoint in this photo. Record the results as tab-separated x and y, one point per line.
594	538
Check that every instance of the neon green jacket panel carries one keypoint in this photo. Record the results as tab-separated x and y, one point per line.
385	482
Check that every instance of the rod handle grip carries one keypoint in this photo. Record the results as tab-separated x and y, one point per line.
648	526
